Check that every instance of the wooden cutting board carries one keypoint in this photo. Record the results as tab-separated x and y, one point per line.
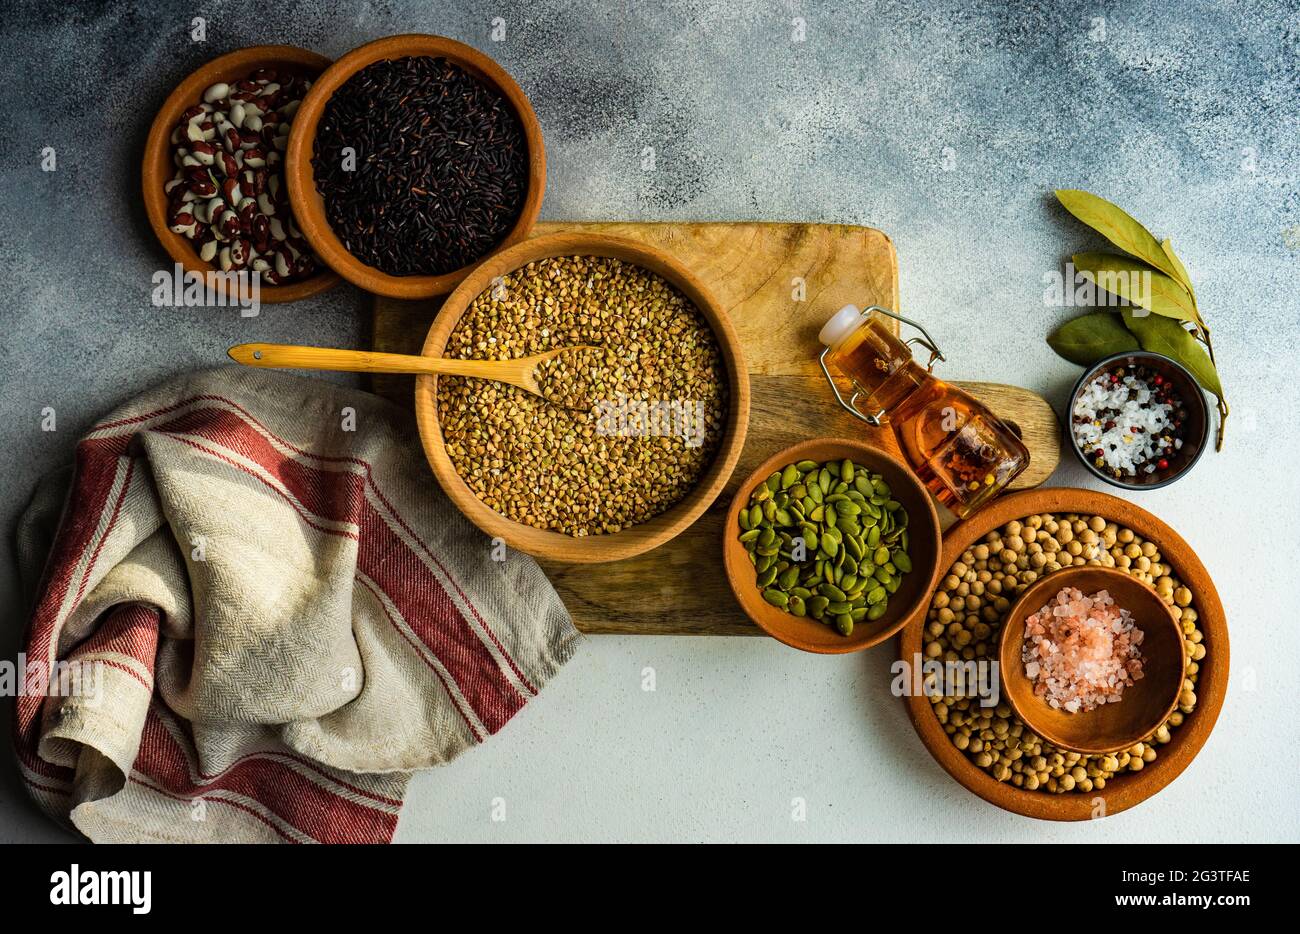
779	283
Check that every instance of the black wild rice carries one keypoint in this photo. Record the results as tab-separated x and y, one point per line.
441	166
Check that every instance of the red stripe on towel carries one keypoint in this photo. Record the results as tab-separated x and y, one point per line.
93	482
293	797
130	629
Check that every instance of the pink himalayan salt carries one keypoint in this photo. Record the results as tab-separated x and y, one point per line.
1081	651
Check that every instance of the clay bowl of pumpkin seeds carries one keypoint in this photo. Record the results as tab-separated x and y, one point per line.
639	422
831	545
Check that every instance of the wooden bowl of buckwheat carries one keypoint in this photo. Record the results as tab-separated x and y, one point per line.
636	434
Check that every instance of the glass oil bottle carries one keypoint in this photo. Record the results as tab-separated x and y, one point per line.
963	453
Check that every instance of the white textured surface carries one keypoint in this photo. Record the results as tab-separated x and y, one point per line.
946	124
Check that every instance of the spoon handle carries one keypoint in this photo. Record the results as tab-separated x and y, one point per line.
290	356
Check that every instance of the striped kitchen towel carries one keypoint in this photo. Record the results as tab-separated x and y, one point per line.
255	613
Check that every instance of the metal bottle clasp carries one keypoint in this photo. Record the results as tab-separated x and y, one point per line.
877	419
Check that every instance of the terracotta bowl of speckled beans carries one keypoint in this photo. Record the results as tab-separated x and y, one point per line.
309	206
157	167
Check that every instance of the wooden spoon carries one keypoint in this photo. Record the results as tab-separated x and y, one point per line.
521	372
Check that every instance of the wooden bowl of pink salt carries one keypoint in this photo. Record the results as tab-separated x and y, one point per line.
1092	659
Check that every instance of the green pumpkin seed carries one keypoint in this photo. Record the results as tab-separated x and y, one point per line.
805	466
844	623
776	598
796	606
859	613
875	595
817	606
876	612
755	515
853	544
767	577
830	590
847	582
789	577
789	477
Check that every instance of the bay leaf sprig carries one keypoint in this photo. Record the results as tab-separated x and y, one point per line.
1092	337
1171	323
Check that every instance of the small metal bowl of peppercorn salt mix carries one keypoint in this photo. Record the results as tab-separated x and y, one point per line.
1138	420
831	546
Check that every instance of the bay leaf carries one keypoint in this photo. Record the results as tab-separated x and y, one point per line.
1117	226
1166	336
1180	271
1168	247
1092	337
1138	283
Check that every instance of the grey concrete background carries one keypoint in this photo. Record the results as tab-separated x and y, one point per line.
945	124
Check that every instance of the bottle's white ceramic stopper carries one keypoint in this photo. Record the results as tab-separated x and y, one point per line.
843	323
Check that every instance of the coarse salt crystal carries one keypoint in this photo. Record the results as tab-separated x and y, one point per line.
1081	651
